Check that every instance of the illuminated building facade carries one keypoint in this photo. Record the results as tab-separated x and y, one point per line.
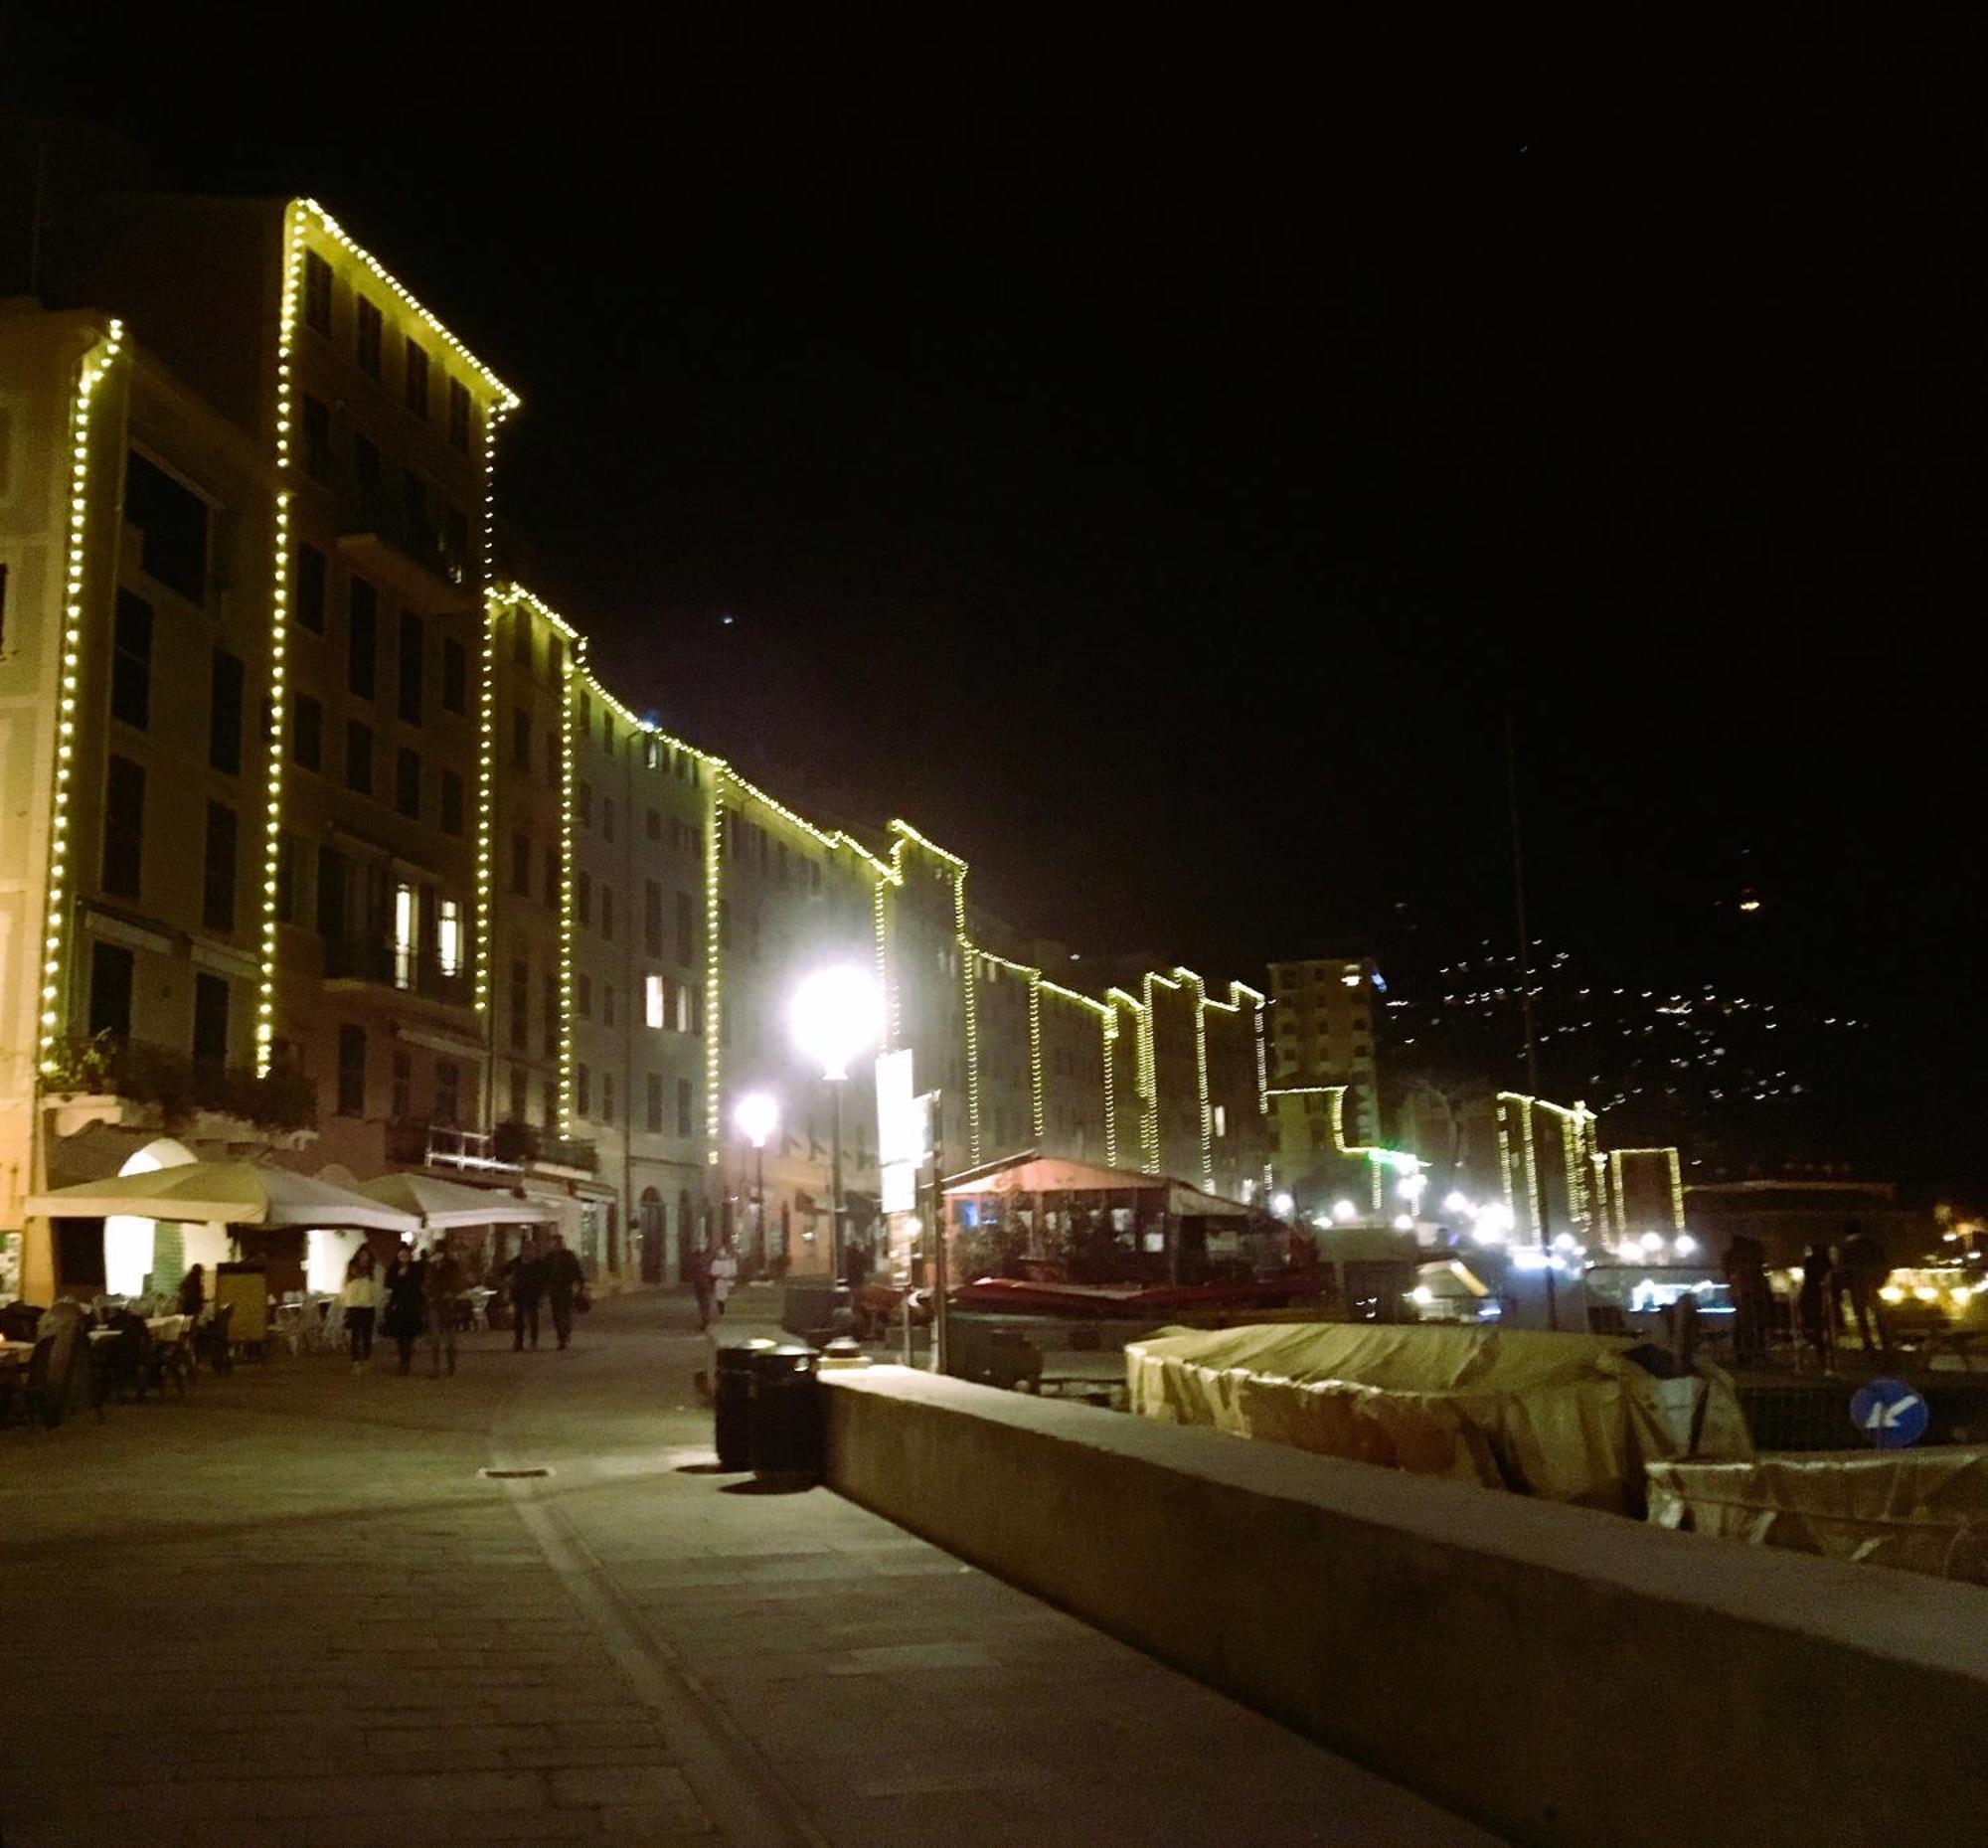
1322	1033
352	843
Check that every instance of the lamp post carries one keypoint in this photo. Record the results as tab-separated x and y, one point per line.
838	1016
758	1115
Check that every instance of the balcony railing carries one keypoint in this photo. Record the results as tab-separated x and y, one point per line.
180	1084
372	517
512	1148
372	960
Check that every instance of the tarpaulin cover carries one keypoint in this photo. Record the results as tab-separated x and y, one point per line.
1916	1510
1564	1417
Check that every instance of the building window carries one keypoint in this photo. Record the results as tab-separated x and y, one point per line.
584	802
683	1106
306	732
112	969
521	639
406	926
607	1004
173	520
351	1071
555	770
416	379
362	639
123	827
686	929
310	588
652	1001
520	990
454	675
287	905
583	996
654	1116
315	422
217	909
400	1105
516	1094
521	740
451	802
653	826
366	470
606	819
317	292
132	662
359	758
652	918
607	913
409	685
551	1006
449	937
551	878
408	782
224	714
555	658
210	1023
369	337
330	894
582	1090
608	1097
458	414
448	1093
520	865
583	898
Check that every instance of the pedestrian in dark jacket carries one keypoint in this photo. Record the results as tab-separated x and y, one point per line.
524	1278
1815	1307
407	1314
442	1285
565	1280
193	1292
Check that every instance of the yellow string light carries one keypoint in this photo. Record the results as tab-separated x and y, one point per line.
95	365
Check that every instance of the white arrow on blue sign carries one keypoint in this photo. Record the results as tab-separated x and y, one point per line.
1890	1413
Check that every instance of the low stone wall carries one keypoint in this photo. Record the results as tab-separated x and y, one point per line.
1562	1676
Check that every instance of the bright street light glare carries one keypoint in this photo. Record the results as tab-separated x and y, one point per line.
1282	1205
1455	1202
837	1016
756	1115
1344	1210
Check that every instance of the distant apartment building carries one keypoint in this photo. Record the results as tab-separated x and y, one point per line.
324	844
1322	1032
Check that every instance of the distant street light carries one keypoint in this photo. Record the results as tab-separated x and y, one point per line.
756	1115
1282	1205
838	1016
1344	1211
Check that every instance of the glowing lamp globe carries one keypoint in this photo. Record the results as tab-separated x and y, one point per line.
838	1016
756	1115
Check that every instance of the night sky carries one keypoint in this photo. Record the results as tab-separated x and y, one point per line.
1155	465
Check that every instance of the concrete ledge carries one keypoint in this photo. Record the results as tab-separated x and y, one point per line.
1564	1677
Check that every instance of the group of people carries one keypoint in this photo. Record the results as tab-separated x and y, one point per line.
1855	1271
419	1294
548	1273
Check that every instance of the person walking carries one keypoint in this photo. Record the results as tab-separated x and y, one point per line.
701	1285
360	1299
193	1293
442	1285
1861	1269
724	1274
406	1305
566	1283
525	1277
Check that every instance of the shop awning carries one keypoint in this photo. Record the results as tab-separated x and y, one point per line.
1050	1175
443	1205
227	1193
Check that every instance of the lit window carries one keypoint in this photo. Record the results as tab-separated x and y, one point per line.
404	935
448	936
652	1000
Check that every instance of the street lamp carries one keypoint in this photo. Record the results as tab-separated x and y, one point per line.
758	1115
837	1016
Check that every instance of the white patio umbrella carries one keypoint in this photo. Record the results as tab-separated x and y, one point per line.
227	1193
443	1205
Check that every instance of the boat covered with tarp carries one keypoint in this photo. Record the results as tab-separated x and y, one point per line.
1915	1510
1569	1417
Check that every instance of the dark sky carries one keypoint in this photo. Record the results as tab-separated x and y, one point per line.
1155	464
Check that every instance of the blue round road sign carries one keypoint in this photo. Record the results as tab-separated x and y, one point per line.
1890	1413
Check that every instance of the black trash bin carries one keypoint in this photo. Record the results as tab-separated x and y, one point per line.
786	1411
732	1403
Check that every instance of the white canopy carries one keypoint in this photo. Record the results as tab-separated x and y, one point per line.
230	1193
442	1204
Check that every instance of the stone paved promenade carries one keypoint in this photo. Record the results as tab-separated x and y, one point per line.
290	1611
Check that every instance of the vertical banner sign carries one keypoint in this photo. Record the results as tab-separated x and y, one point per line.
900	1136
